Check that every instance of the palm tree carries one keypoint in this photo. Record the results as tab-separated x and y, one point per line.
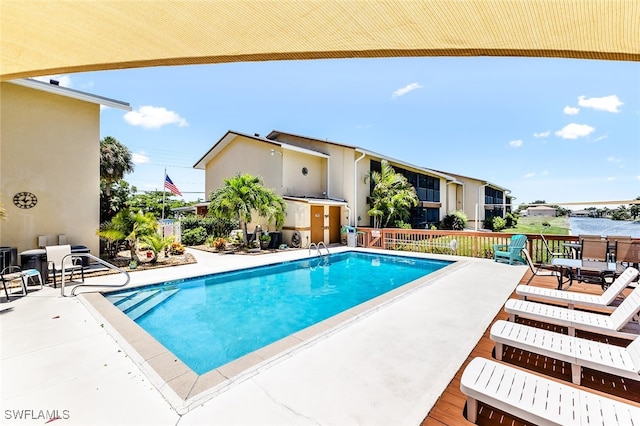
115	161
392	196
156	243
243	195
129	226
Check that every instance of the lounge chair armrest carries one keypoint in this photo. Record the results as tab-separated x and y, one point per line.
500	247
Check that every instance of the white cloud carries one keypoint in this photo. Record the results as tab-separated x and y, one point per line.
516	144
364	126
575	131
139	158
611	179
63	80
151	117
613	159
406	89
606	103
545	173
571	110
542	134
529	175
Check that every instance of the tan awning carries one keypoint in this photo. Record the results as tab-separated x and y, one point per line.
57	36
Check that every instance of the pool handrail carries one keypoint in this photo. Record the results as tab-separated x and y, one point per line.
102	262
318	246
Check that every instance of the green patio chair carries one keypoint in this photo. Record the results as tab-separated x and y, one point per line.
510	252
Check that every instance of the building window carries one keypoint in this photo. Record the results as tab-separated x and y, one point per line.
424	217
493	196
427	187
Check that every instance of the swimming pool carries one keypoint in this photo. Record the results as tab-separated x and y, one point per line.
212	320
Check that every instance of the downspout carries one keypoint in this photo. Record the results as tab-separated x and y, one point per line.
349	212
355	188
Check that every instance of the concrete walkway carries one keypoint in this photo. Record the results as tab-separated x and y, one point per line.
388	366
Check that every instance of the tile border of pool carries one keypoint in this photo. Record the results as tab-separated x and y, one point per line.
184	389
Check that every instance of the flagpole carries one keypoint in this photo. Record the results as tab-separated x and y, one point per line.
164	190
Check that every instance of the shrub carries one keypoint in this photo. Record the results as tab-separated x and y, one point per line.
190	222
455	221
194	237
213	226
498	224
176	248
220	227
511	220
401	224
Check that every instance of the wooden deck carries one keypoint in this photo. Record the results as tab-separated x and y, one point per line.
449	409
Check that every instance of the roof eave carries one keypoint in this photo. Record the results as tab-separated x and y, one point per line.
71	93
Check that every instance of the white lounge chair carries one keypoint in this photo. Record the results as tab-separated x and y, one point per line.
573	298
537	399
617	360
622	322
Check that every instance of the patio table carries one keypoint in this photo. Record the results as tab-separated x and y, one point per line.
589	271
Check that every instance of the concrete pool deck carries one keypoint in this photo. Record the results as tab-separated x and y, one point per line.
386	365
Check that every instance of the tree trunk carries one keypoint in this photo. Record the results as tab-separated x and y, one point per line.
245	235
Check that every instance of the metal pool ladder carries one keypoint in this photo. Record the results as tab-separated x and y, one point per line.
318	248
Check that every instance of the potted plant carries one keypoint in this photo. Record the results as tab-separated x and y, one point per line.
265	239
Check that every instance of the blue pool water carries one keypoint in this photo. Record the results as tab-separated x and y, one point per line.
212	320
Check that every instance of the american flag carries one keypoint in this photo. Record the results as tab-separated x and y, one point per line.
170	186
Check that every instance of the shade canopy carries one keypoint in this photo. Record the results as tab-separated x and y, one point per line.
58	36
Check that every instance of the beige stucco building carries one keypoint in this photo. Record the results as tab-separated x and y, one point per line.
50	164
542	211
324	183
480	199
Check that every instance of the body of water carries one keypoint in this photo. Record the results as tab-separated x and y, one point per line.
592	226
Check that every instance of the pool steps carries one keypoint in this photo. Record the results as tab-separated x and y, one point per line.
137	303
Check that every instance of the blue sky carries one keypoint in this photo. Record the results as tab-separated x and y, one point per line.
562	130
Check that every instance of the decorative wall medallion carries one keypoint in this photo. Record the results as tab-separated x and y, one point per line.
25	200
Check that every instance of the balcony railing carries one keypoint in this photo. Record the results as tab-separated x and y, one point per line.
460	243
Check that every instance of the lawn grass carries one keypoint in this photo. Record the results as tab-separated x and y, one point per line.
534	225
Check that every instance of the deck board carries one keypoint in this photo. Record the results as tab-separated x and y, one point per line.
449	409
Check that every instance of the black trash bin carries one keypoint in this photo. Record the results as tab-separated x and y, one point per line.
276	240
35	259
8	257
